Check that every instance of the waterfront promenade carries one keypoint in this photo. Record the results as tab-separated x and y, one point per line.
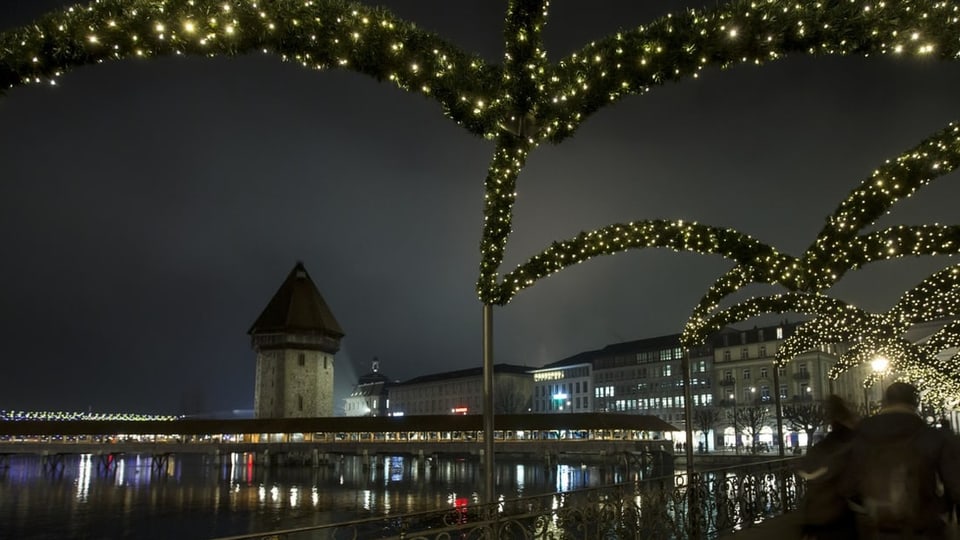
727	492
741	501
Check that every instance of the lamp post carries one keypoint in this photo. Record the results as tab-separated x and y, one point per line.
778	404
753	431
736	432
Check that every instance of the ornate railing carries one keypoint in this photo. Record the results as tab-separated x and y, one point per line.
721	500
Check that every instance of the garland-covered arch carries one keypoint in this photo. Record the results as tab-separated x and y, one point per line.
675	235
520	104
839	247
870	334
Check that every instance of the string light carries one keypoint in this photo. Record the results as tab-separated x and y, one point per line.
937	298
527	101
67	416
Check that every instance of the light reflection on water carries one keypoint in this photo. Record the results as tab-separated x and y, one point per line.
192	497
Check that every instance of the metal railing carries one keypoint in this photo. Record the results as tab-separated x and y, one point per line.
712	502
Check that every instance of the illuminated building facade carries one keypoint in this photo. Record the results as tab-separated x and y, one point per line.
646	377
564	386
744	370
370	396
461	392
295	339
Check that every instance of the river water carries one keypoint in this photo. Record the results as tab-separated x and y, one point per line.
192	497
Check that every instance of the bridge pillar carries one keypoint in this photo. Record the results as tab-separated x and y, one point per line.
365	459
315	457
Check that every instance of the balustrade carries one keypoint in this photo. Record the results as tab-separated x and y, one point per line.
671	507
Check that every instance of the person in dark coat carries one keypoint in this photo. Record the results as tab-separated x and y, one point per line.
825	514
935	453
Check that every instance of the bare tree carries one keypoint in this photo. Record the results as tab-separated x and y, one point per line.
807	417
706	418
752	419
510	397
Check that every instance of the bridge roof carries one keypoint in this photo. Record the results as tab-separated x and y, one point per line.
449	422
297	306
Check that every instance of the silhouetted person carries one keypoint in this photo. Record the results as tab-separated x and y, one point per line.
825	513
902	473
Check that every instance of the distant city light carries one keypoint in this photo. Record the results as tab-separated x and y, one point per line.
68	416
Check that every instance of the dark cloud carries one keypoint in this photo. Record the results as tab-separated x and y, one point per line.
148	210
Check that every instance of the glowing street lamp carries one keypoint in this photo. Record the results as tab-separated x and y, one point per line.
880	365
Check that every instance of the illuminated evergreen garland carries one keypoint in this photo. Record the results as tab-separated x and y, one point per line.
520	104
870	335
528	101
838	248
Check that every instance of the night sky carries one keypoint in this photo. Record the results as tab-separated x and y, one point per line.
150	209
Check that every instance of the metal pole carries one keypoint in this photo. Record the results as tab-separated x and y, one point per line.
736	429
688	411
488	474
779	406
692	480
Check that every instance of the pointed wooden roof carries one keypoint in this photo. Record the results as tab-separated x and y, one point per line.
297	307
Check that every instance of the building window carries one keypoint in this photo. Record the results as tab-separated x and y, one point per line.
779	333
726	355
300	402
667	370
764	393
302	359
763	351
744	353
324	362
746	373
783	391
802	368
763	373
728	374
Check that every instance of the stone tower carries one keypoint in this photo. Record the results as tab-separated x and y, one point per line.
295	339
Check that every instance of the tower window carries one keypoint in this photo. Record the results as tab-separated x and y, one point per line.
300	402
324	362
302	359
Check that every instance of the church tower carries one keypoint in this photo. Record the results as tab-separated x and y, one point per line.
295	339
